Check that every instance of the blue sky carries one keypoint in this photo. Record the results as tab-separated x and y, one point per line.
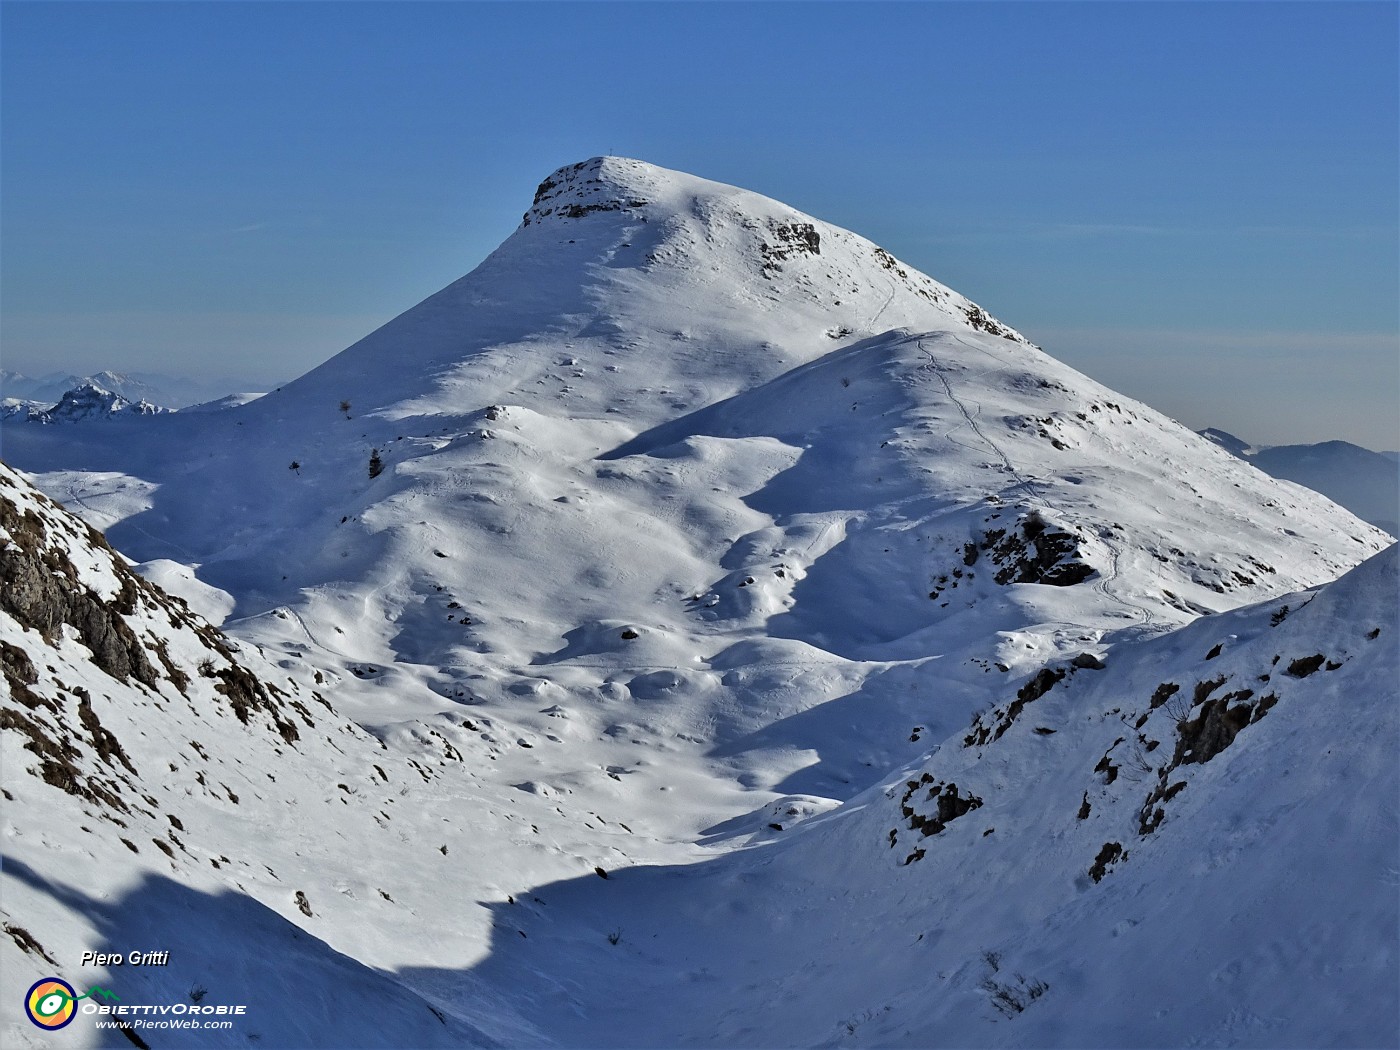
1193	202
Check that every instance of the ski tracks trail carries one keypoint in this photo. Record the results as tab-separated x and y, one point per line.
1140	611
971	420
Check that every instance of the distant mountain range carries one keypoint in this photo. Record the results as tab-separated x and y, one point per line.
1364	482
166	391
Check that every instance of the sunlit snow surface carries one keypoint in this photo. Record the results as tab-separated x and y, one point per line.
682	562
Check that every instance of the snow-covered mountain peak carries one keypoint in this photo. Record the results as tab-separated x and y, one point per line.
758	392
89	401
602	184
668	281
621	184
680	523
716	232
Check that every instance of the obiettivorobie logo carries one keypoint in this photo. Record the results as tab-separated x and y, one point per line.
52	1002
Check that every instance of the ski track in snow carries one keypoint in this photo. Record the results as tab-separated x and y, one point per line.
1140	611
971	421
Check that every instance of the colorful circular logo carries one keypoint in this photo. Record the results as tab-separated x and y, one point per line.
51	1003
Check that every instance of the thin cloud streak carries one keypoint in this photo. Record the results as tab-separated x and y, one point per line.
1214	340
1088	230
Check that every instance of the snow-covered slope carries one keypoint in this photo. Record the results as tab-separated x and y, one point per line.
1193	846
683	515
227	401
796	470
1364	482
15	408
154	772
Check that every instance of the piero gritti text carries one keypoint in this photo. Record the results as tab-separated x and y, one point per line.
152	958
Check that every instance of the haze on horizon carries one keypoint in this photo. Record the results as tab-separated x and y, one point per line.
1191	203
